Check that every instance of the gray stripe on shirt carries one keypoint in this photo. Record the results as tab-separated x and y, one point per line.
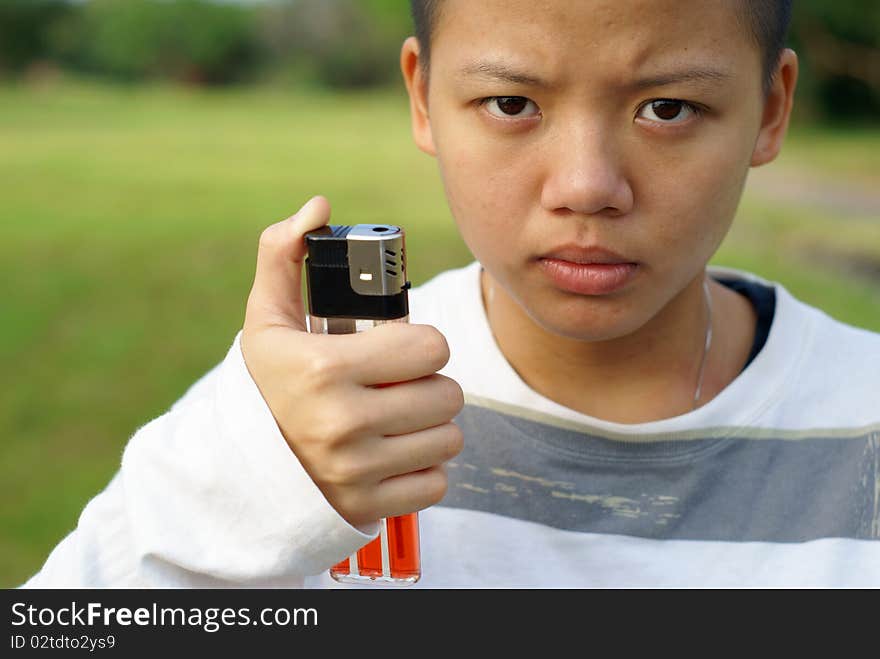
719	488
698	433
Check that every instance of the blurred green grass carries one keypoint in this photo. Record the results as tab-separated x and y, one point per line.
128	230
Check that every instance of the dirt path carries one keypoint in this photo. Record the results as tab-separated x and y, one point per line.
838	202
837	198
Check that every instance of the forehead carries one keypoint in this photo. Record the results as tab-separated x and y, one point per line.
566	39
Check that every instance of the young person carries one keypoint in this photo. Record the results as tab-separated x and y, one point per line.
586	404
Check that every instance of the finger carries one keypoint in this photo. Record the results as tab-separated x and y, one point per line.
396	352
411	492
409	407
276	296
404	454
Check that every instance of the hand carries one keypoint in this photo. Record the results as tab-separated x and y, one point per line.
374	451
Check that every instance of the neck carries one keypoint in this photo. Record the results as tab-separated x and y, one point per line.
647	375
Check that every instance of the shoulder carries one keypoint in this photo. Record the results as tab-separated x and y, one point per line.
830	338
836	381
851	352
827	370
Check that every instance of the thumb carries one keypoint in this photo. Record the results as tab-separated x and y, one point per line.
276	296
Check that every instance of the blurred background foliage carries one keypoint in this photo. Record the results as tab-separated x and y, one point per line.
145	144
337	43
354	43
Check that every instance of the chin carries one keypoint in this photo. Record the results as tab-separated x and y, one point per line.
591	320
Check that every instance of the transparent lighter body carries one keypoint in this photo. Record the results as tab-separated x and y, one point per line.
393	558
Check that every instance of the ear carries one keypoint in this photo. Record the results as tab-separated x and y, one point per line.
777	110
417	88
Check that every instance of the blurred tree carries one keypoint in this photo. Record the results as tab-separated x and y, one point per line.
839	47
190	40
23	30
340	43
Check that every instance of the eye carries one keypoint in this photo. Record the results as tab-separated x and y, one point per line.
509	107
668	111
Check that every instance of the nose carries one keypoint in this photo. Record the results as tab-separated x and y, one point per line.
584	174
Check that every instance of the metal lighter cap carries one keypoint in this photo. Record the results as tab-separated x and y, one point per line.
376	259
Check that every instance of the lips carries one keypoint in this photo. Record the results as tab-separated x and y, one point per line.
589	270
587	254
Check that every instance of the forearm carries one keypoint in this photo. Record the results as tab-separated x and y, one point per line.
208	494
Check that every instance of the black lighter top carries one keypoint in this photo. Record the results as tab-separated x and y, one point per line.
357	272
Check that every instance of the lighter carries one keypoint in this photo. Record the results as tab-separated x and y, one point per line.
356	279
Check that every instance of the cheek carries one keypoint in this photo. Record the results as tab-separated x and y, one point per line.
698	199
487	189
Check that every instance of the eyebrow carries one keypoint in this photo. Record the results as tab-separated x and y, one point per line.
699	75
499	71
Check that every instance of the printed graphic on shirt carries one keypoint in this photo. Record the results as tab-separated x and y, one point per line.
733	485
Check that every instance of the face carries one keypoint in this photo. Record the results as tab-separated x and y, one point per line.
627	125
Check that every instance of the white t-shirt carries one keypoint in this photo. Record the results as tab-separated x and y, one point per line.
775	482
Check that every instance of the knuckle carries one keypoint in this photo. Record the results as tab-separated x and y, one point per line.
353	507
325	420
338	425
321	368
345	472
269	237
356	423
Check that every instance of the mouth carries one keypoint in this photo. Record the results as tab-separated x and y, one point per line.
589	270
586	255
